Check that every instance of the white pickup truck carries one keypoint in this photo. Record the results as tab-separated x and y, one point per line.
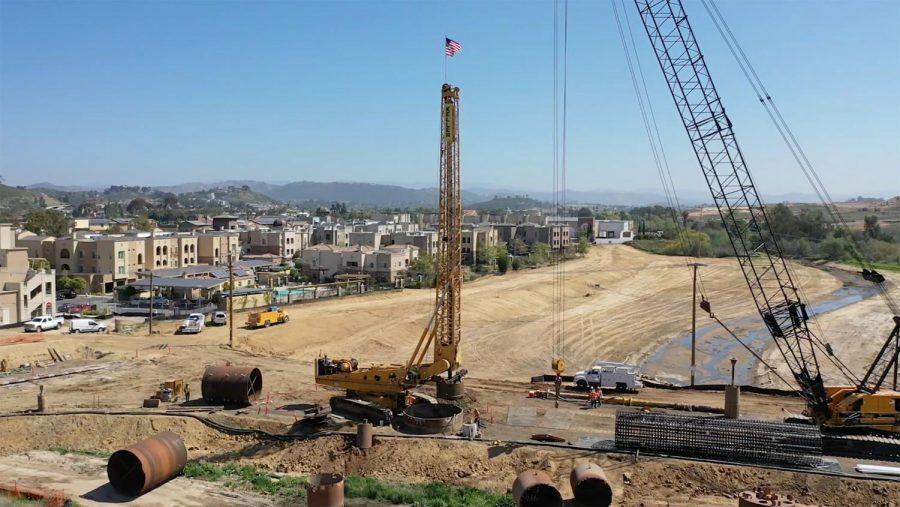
43	323
610	375
193	324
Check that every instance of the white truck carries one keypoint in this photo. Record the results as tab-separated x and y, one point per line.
193	324
43	323
86	326
610	375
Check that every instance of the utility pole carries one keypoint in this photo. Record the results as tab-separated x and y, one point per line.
694	265
230	298
151	302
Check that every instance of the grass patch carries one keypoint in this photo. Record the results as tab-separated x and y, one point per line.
289	487
82	452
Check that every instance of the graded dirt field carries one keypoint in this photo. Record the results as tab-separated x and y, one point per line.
621	304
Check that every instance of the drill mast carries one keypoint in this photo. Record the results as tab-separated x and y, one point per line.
449	254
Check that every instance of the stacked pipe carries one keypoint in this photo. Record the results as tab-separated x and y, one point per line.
534	488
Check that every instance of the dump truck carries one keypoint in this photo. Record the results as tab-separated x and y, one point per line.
272	315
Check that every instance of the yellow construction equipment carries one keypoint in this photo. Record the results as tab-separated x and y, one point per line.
375	392
272	315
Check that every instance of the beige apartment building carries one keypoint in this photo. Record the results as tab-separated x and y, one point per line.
26	290
213	247
284	243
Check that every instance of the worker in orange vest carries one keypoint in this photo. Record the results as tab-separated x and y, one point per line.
594	397
599	396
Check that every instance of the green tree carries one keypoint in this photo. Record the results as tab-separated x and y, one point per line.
517	247
75	283
503	263
834	248
48	222
871	227
583	246
138	206
540	253
142	223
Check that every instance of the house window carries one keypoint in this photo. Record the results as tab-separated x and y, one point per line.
165	250
48	288
121	270
121	254
64	253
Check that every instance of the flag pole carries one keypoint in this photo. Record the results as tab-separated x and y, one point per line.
445	58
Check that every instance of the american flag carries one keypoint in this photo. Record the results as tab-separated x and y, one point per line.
451	47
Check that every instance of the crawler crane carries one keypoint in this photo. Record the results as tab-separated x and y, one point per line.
867	405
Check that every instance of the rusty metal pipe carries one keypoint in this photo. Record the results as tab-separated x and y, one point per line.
231	384
533	488
145	465
325	490
590	486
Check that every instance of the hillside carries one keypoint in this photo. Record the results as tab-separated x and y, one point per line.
16	201
511	202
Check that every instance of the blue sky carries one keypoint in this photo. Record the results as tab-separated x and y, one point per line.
168	92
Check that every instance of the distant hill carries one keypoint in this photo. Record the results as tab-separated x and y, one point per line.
360	194
17	201
511	202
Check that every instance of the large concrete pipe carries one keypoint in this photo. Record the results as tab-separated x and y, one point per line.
325	490
590	486
231	384
533	488
145	465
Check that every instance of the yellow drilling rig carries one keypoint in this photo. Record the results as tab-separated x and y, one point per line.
378	391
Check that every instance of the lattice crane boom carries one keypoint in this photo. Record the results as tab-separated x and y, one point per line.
713	139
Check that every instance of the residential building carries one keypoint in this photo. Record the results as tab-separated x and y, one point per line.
613	231
367	238
38	246
282	242
505	232
26	290
385	265
213	247
426	241
225	223
330	233
557	236
469	246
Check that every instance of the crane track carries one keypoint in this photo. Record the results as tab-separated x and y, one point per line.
861	446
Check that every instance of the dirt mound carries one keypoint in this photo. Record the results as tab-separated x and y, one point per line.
108	433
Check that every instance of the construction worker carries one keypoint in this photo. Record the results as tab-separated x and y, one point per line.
187	393
594	397
599	396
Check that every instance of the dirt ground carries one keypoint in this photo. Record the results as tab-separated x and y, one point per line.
647	481
622	304
856	333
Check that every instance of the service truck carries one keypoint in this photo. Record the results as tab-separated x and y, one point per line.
610	375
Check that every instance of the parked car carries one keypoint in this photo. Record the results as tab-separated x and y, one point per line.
65	294
193	324
43	323
86	326
220	318
610	375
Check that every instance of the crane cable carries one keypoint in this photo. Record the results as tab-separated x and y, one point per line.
654	138
805	165
793	145
560	107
